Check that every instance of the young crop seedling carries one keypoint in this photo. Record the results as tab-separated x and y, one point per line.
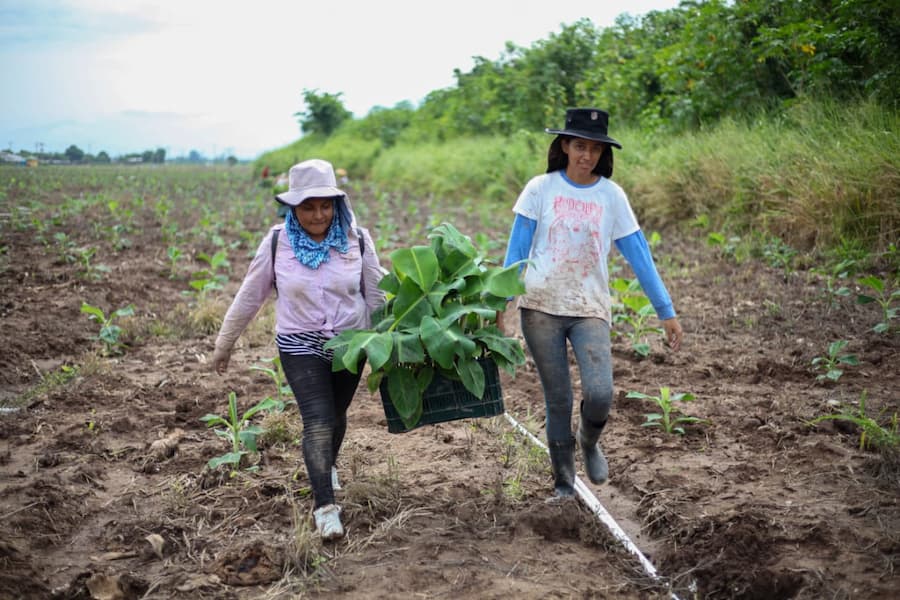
89	270
237	430
669	419
831	364
282	388
884	297
206	280
834	280
637	313
217	261
109	332
779	255
174	253
726	246
65	246
871	434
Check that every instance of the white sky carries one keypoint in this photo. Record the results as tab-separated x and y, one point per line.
221	76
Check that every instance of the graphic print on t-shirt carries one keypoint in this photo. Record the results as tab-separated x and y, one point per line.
574	238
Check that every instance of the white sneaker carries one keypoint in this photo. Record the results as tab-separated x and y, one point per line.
328	522
335	484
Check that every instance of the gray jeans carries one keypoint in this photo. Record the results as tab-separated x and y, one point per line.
546	336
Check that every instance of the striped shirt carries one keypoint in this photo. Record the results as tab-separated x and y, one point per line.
304	344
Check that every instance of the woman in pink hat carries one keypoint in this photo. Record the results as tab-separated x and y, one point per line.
326	273
566	221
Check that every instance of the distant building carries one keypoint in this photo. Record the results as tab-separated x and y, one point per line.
10	158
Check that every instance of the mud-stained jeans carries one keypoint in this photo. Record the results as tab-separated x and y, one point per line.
546	336
323	397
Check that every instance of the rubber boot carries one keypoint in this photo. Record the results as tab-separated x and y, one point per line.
562	460
595	463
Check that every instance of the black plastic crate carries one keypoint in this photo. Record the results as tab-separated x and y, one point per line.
449	400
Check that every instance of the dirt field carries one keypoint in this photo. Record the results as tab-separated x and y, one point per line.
105	493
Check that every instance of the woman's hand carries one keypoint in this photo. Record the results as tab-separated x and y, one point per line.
220	359
674	333
501	322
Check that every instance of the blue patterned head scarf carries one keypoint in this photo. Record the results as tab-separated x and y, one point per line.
310	252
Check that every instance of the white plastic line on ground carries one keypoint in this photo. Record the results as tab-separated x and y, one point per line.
588	497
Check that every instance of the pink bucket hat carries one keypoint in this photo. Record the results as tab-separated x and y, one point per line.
312	178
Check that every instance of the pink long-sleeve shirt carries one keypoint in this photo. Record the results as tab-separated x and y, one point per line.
326	300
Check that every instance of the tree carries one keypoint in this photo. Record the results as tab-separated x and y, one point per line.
324	113
159	156
103	157
74	153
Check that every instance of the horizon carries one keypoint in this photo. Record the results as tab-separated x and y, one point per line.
129	76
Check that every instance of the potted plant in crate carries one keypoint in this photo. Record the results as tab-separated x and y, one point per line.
436	335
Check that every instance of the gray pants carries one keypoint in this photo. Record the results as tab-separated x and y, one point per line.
323	397
546	336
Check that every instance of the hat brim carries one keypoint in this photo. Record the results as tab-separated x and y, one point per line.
587	135
296	197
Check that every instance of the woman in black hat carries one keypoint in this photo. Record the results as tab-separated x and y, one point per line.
566	221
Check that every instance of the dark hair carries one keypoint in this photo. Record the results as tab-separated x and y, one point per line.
558	160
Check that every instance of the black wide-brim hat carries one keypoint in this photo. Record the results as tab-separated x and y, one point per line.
587	123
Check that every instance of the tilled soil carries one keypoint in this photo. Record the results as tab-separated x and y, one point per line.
105	492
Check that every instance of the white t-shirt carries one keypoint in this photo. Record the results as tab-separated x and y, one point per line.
576	226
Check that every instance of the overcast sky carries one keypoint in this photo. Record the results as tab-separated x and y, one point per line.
226	77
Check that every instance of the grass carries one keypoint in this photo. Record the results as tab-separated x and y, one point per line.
817	175
872	434
87	365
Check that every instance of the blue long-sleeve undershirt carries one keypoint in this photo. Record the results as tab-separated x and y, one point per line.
633	247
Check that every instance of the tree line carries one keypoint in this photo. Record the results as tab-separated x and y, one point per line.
75	155
671	70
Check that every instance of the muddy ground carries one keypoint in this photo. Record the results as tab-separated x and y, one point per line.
105	492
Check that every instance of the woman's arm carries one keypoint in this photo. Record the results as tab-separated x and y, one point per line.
372	273
636	251
520	238
254	290
518	249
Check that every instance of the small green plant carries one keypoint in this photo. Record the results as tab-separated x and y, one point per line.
162	208
202	283
669	419
834	279
831	363
65	246
778	254
89	270
91	424
637	313
174	253
728	247
217	261
884	297
109	332
276	374
237	430
872	434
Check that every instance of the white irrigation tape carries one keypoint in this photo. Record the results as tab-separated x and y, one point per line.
588	497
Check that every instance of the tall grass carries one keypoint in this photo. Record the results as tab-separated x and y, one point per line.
818	175
484	168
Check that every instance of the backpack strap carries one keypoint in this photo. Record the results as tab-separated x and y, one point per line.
362	251
274	250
